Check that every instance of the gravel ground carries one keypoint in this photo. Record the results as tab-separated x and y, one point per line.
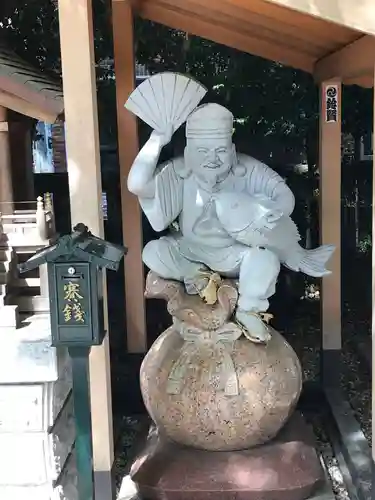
304	335
356	378
326	452
129	430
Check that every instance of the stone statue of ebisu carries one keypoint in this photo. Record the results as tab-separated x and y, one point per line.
231	212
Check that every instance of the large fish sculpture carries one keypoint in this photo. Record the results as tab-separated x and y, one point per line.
256	221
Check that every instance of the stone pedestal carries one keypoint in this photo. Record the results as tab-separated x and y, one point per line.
286	468
37	428
206	385
223	406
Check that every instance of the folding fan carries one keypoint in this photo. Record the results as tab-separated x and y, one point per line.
165	99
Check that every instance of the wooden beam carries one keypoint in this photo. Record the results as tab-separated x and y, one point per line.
26	108
249	24
354	14
352	61
6	184
83	165
282	18
223	33
128	149
22	158
330	229
4	125
373	285
366	81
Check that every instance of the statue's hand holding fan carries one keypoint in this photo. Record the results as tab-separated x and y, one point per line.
164	101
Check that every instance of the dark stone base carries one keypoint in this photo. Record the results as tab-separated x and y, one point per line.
287	468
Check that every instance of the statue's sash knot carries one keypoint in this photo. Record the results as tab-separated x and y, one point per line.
196	341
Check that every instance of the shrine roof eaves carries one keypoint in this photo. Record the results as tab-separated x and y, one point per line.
28	90
317	41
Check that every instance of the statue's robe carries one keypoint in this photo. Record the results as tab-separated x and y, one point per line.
201	238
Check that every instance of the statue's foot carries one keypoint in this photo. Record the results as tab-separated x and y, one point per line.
196	284
205	284
209	293
254	325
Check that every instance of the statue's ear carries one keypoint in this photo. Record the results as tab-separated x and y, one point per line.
238	169
186	155
234	155
184	170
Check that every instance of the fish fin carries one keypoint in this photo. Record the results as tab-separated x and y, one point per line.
292	264
314	261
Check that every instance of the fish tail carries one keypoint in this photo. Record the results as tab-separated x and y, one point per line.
313	262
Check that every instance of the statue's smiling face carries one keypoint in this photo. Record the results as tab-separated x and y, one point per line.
209	159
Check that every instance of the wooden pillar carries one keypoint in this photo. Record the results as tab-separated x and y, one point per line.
22	158
83	165
128	149
6	185
28	162
373	285
330	228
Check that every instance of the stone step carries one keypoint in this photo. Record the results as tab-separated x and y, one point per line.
25	303
9	317
4	277
27	405
6	254
27	239
26	355
45	453
4	289
5	266
37	406
27	249
24	282
66	488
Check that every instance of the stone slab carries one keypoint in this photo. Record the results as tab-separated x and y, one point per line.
350	445
287	468
44	454
34	407
26	354
66	488
9	317
128	491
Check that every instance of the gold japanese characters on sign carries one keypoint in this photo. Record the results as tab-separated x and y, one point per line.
73	309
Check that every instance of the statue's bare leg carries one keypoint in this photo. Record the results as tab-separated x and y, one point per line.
164	258
257	281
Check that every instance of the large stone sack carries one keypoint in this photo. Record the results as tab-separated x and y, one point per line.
212	393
